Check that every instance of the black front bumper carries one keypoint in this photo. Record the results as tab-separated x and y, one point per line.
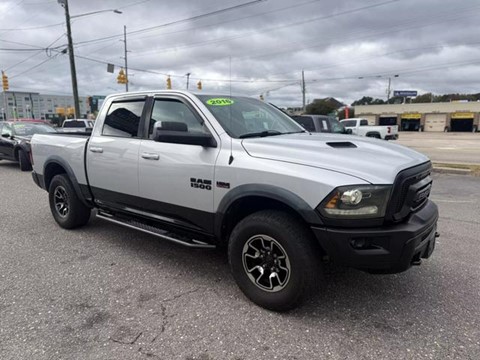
388	249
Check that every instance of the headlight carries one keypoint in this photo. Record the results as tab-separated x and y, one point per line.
356	202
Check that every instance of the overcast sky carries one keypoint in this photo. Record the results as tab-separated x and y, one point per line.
348	49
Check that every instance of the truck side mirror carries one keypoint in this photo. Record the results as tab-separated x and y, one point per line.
348	131
177	133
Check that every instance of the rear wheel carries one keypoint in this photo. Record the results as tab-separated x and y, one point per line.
274	260
67	209
24	161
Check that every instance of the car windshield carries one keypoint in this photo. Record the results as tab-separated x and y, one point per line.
26	129
337	127
243	117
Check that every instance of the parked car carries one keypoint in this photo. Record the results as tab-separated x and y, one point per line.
15	140
234	172
321	123
77	125
360	127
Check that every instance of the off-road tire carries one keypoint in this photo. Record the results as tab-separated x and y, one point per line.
298	244
24	161
74	214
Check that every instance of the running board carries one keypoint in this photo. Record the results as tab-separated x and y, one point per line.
137	225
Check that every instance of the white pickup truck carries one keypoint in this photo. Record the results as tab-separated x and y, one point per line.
234	172
360	127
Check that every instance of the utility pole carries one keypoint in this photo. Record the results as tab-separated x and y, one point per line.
73	71
188	78
5	106
388	88
389	91
126	66
303	92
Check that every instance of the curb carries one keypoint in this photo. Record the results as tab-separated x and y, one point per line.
448	170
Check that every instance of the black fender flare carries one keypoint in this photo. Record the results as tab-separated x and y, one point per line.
306	212
55	159
373	134
20	146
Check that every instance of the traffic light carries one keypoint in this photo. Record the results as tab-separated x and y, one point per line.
121	78
199	85
4	81
169	83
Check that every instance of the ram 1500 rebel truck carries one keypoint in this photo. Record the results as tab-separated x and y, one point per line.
360	127
234	172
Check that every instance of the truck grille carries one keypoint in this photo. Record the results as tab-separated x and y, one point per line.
410	192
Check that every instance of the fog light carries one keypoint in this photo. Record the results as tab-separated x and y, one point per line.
359	243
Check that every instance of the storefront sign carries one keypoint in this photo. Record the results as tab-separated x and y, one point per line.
415	116
462	115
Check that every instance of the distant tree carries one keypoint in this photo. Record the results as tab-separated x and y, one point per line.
367	100
424	98
320	107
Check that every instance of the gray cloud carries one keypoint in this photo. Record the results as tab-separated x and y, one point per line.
348	49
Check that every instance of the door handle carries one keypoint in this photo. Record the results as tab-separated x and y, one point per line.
150	156
96	149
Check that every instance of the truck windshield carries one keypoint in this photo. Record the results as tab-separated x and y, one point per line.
243	117
27	129
337	127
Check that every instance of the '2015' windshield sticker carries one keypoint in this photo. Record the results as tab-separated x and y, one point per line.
220	102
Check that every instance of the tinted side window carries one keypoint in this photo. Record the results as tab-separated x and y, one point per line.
74	124
174	114
306	122
363	122
123	119
349	123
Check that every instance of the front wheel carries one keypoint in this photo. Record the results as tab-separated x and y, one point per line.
274	260
67	209
24	161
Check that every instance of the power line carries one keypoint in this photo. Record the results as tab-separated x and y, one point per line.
60	23
263	31
193	18
35	66
219	23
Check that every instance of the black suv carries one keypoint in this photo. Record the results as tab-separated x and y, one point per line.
321	123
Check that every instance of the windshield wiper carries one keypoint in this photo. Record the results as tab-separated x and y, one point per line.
261	134
295	132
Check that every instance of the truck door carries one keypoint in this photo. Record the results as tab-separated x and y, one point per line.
177	180
112	154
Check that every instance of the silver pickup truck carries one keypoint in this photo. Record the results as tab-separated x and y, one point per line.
224	171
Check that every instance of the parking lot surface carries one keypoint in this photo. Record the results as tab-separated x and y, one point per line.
451	147
106	292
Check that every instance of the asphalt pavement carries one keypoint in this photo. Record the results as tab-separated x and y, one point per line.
107	292
451	147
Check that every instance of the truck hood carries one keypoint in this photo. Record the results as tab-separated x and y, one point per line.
372	160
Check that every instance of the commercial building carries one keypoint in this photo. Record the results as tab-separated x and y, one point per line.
34	105
451	116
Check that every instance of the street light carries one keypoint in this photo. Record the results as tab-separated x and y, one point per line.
73	71
388	91
94	12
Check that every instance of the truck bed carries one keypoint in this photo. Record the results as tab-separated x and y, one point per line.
67	148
